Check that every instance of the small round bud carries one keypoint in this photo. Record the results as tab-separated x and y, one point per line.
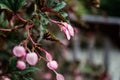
21	65
19	51
52	65
32	58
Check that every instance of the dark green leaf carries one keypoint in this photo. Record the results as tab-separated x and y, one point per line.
29	70
3	23
27	78
59	6
12	63
12	5
50	2
15	77
26	71
64	14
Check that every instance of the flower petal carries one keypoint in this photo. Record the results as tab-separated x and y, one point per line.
67	34
71	30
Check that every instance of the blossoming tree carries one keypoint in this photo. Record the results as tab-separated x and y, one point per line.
24	25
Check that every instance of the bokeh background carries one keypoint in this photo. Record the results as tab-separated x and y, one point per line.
94	51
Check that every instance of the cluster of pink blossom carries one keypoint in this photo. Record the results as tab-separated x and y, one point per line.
32	58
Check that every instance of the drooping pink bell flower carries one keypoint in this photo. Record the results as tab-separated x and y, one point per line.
19	51
21	65
59	76
53	65
66	28
48	56
32	58
5	78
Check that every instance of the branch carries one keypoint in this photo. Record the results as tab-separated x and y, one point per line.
5	30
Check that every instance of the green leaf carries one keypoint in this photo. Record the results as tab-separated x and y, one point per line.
64	14
44	19
59	6
26	71
3	23
15	77
4	4
29	70
12	63
50	2
42	30
12	5
27	78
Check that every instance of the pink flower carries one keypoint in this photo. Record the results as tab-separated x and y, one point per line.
5	78
19	51
66	28
21	65
59	76
52	65
48	56
32	58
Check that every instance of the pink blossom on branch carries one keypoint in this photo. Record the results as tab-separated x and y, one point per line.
66	28
32	58
19	51
53	65
48	56
21	65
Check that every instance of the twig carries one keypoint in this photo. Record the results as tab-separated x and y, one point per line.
6	30
19	17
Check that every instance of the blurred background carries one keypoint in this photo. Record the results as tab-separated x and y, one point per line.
94	51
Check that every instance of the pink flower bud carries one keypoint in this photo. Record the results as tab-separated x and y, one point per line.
52	65
5	78
21	65
66	28
19	51
48	56
70	28
59	77
32	58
